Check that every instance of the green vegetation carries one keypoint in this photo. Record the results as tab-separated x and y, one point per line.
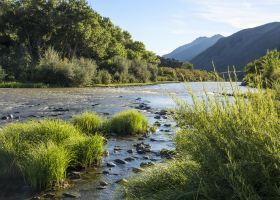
22	85
228	149
41	152
89	123
265	70
185	74
130	122
68	44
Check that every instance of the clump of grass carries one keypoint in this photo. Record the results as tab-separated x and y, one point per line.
41	151
130	122
233	141
157	182
89	122
46	164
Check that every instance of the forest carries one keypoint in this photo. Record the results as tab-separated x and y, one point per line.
67	43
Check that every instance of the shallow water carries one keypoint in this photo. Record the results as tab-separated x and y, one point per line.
26	104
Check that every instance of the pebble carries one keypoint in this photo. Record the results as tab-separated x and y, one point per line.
130	151
137	170
146	164
122	181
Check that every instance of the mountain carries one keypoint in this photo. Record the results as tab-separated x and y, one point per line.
189	51
240	48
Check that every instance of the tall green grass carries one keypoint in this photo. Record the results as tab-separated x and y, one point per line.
89	122
42	151
130	122
235	144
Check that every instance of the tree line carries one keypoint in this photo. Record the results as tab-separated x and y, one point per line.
67	43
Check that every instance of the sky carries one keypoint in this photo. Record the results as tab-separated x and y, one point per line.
164	25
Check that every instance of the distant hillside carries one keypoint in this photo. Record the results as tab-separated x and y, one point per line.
240	48
189	51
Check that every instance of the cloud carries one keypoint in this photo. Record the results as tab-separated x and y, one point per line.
239	13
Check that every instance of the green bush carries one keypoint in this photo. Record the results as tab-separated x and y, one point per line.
41	151
235	145
130	122
84	70
89	123
55	70
265	70
164	182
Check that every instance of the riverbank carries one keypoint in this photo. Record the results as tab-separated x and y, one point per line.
42	85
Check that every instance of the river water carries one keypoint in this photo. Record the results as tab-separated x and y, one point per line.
63	103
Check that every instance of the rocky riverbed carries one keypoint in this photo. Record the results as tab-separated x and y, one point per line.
125	156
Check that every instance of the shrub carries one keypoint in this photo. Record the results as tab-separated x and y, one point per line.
235	145
103	77
129	122
84	71
89	123
41	151
2	74
265	70
54	70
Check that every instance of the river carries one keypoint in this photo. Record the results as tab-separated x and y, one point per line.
63	103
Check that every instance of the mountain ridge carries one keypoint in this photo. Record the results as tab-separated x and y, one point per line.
189	51
239	48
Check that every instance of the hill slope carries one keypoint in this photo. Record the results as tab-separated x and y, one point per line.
240	48
189	51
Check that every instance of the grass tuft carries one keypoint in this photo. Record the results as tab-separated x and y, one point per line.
41	151
89	122
130	122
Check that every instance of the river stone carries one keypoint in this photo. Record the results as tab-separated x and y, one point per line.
105	172
163	112
111	164
146	164
119	161
137	170
101	187
74	175
103	183
146	157
71	195
130	151
157	117
122	181
167	125
129	159
49	195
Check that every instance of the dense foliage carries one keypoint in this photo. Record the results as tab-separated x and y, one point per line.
183	74
265	70
228	149
66	43
72	28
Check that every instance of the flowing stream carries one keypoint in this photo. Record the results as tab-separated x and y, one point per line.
26	104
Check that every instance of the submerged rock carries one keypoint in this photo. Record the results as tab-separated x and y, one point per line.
111	164
122	181
74	175
71	195
137	170
129	151
120	161
147	164
129	159
101	187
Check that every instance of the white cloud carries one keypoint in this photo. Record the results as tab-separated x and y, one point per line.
238	13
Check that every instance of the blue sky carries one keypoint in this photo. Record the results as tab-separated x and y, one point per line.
164	25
